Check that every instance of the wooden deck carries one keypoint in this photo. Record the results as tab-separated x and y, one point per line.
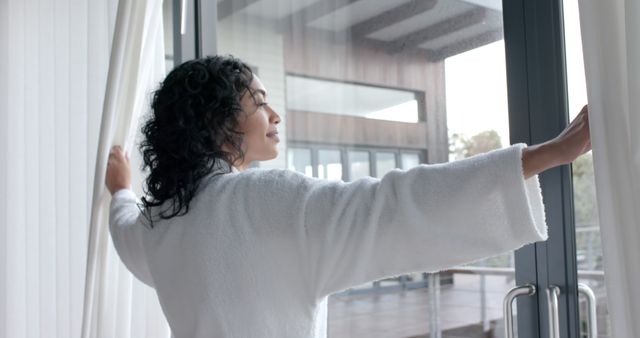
405	314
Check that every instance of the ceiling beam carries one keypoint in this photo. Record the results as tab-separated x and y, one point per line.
442	28
467	44
318	9
390	17
228	7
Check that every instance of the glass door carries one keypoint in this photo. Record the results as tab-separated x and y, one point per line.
364	87
546	73
420	76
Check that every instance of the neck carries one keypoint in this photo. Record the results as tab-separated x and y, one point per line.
239	166
242	166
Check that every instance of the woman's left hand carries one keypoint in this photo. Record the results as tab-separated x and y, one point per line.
118	170
572	142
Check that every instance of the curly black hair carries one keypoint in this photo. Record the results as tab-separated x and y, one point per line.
193	114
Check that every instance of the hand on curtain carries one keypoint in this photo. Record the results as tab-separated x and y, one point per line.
118	170
116	305
574	141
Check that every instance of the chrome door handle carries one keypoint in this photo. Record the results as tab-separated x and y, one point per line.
591	304
553	292
507	305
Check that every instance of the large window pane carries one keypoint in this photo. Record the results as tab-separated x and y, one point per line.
478	121
299	159
358	164
409	160
390	78
385	162
329	164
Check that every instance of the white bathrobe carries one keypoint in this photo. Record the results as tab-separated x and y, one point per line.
259	251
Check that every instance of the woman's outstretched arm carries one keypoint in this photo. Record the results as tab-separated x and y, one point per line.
424	219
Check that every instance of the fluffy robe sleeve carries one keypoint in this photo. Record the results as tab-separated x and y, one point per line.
344	234
424	219
127	233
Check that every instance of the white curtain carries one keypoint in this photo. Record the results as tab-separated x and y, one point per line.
53	65
116	304
611	43
54	61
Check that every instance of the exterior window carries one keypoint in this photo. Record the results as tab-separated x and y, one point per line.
351	99
364	87
329	164
299	159
385	162
358	164
409	160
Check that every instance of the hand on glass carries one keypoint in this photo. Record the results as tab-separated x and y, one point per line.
118	170
572	142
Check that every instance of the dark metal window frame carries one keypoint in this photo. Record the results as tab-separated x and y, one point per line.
199	38
538	111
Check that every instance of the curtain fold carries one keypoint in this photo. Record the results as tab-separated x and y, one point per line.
54	68
611	44
111	307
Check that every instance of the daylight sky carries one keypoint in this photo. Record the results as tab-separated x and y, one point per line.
477	96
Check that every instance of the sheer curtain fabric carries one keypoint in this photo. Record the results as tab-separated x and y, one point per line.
116	304
611	46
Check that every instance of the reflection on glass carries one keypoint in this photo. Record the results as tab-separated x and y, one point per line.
358	164
351	99
329	164
370	74
409	160
299	159
385	162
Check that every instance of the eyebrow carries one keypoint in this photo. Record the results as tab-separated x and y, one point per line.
261	92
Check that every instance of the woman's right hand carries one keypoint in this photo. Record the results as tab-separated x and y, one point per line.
118	170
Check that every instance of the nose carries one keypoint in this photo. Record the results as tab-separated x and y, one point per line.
273	116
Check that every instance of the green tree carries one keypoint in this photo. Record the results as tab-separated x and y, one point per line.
460	147
584	191
484	142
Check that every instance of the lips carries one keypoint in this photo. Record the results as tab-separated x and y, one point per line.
273	135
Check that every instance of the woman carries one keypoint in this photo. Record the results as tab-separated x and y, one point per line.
255	253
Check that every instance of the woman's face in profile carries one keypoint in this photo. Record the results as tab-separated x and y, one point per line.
259	124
